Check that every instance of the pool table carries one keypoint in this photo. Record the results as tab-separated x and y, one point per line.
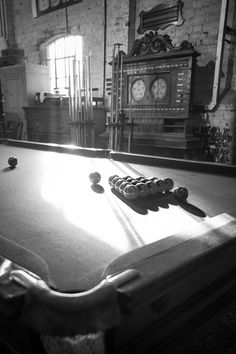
81	259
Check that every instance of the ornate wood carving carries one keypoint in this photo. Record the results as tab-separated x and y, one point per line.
160	17
154	43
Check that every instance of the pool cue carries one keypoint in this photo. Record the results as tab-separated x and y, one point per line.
70	102
75	101
121	78
121	113
79	105
85	102
129	137
117	97
90	100
111	128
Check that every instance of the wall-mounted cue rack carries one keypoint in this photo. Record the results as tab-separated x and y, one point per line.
157	92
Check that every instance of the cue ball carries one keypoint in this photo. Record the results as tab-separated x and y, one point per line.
95	177
181	193
12	161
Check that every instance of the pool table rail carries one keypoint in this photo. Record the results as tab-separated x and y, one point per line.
60	148
26	296
174	163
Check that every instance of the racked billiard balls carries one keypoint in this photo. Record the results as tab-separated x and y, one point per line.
181	194
118	183
144	180
95	177
134	182
142	189
139	178
153	179
152	187
130	179
169	184
110	179
131	192
122	186
126	177
12	161
114	180
160	185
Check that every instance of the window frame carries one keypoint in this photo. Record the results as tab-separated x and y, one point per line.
68	58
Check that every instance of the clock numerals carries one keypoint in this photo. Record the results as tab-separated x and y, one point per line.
159	89
138	90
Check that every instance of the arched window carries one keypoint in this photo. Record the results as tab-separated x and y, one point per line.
60	53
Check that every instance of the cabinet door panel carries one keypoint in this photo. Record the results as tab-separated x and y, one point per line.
15	93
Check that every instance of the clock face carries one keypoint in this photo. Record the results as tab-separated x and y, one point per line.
159	89
138	89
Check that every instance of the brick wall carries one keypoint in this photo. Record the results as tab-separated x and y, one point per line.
85	19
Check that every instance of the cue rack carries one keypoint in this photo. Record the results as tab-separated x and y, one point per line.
81	102
118	120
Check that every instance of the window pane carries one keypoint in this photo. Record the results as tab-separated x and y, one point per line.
70	46
62	52
60	47
51	51
78	48
61	83
60	67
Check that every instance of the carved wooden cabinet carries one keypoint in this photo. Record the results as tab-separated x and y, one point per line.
158	92
19	84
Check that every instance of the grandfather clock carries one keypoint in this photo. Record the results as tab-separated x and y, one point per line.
158	92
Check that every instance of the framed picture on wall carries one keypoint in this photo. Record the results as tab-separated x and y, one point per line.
43	7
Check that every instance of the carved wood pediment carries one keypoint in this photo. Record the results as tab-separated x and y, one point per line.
154	43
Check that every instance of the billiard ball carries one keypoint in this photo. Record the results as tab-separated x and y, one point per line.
144	180
169	184
12	161
122	186
131	192
139	178
152	187
153	179
129	179
126	177
114	180
134	182
95	177
160	185
111	178
143	189
181	193
118	183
